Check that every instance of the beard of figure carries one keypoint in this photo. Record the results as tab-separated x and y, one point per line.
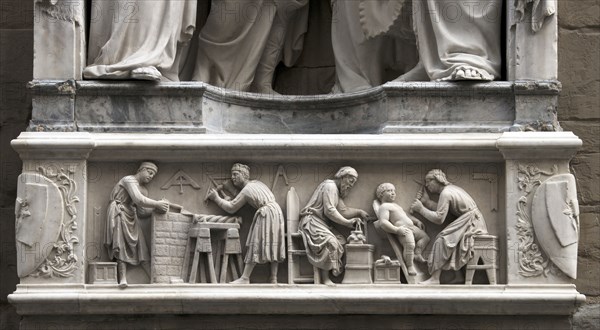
344	189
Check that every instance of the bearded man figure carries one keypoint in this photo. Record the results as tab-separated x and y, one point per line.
324	245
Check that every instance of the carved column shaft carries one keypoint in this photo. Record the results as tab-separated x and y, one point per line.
530	261
59	39
51	212
532	40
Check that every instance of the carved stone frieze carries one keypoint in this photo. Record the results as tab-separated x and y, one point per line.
47	223
532	261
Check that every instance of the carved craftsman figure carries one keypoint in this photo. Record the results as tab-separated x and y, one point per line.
457	40
265	243
243	41
137	39
324	245
453	246
371	41
128	203
394	220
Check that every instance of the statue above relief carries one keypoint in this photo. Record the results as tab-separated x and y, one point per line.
241	43
138	39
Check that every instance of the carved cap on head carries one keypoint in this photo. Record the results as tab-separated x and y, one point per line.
149	165
346	170
244	169
439	176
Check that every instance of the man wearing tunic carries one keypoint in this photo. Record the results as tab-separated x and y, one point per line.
128	203
453	246
265	243
243	41
138	39
324	245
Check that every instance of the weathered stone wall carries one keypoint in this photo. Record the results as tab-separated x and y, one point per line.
16	69
579	71
579	111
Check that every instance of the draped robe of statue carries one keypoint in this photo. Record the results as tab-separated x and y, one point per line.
126	35
453	246
244	39
324	245
455	36
124	236
372	42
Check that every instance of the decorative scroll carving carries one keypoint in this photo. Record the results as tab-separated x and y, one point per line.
62	262
532	261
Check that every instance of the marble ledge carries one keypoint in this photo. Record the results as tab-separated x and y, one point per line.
198	108
306	147
296	299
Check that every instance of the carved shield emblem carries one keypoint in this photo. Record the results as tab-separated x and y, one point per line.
555	217
39	213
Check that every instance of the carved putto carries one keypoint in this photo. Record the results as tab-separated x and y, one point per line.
392	219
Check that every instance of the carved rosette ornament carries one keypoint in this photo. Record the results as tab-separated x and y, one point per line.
43	198
532	261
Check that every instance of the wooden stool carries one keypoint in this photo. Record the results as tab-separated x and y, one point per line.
233	249
203	247
206	237
486	250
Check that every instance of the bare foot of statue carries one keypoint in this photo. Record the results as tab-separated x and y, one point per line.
273	279
466	72
417	73
146	73
412	271
123	283
241	280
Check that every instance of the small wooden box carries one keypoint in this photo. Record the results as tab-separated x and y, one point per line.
387	273
103	273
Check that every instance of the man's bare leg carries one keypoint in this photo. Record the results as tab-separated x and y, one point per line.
122	270
325	277
274	268
245	278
